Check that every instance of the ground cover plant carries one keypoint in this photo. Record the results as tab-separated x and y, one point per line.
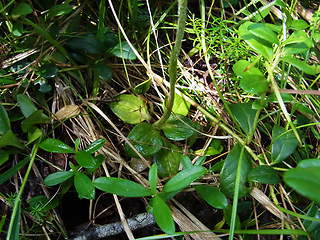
182	119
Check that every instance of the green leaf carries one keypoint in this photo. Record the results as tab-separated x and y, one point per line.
10	139
84	186
58	10
4	157
258	44
214	148
162	215
95	146
49	70
245	115
178	127
35	118
86	44
17	29
184	178
13	170
26	105
57	177
286	98
55	146
84	159
180	105
284	144
305	181
123	50
309	163
102	70
143	87
153	178
227	212
212	195
130	109
264	174
21	9
260	30
168	159
299	24
229	172
45	203
33	134
14	228
121	187
97	161
4	121
301	65
146	140
312	226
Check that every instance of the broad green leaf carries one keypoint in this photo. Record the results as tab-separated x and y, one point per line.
121	187
212	195
146	140
286	98
295	48
284	144
48	70
245	115
14	227
264	174
260	30
123	50
17	29
301	65
26	105
60	9
97	161
13	170
168	159
298	37
84	159
305	181
95	146
309	163
33	134
299	24
21	9
143	87
162	215
86	44
244	68
57	177
184	178
55	146
229	172
35	118
4	121
102	70
130	109
258	44
10	139
180	105
178	127
153	178
84	186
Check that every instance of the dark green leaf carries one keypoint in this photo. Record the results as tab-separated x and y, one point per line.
58	10
84	159
227	212
229	172
184	178
17	29
178	127
264	174
130	109
305	181
13	170
10	139
162	215
284	144
35	118
57	177
4	121
4	157
121	187
146	140
143	87
21	9
95	146
55	146
123	50
102	70
42	201
84	186
212	195
48	70
86	44
245	115
168	160
26	105
312	226
97	161
153	178
260	30
286	98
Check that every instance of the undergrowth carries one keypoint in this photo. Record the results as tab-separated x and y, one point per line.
204	118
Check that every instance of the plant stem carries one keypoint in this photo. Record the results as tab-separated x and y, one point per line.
182	17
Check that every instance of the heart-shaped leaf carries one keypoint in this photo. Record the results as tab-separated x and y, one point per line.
264	174
121	187
212	195
84	186
162	215
229	172
55	146
245	115
146	140
57	177
130	109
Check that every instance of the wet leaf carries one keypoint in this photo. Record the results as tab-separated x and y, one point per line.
212	195
130	109
84	186
57	177
123	50
95	146
55	146
146	140
162	215
121	187
264	174
245	116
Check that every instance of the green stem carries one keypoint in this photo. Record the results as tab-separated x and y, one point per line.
17	200
182	17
